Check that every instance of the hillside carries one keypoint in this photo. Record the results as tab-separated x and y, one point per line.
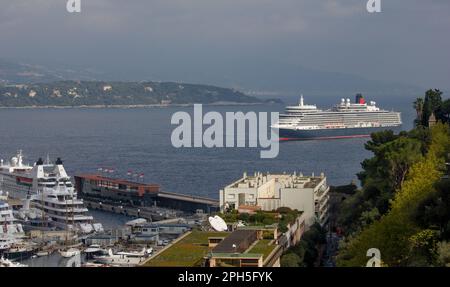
93	93
279	80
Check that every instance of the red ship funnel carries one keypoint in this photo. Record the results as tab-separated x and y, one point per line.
360	99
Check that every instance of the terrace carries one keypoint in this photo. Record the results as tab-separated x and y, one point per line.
192	249
263	246
187	252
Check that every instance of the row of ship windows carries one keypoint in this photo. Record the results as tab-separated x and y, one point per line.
58	212
342	120
318	117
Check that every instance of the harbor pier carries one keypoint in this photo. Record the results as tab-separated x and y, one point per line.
137	198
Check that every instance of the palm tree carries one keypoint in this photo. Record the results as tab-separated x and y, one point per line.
418	105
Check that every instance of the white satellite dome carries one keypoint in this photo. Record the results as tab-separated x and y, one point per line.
217	223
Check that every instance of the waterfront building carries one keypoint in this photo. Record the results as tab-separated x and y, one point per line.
268	192
98	188
105	188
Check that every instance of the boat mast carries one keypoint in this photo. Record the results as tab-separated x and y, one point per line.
43	209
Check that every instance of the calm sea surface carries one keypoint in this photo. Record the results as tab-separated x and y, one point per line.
139	140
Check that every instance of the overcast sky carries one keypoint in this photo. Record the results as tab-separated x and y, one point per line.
408	42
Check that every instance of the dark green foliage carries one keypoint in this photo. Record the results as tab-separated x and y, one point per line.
445	110
345	189
77	93
434	211
290	260
382	176
403	207
432	104
284	210
307	249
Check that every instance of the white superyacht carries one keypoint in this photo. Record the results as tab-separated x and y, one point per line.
47	193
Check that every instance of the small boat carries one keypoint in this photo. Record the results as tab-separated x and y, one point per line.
8	263
90	264
94	248
20	251
70	252
43	253
128	259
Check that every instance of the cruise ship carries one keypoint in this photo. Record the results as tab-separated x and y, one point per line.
345	120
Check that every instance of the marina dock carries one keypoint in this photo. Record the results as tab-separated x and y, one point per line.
137	198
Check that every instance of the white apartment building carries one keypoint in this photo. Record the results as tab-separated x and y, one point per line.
271	191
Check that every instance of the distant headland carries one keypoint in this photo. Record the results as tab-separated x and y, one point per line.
119	94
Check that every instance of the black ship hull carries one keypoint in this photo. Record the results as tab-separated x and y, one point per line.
18	255
341	133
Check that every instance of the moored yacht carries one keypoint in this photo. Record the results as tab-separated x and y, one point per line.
49	197
11	232
64	210
128	259
21	180
12	245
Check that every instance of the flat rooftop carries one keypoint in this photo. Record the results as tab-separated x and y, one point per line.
193	248
263	246
98	177
188	252
289	180
235	238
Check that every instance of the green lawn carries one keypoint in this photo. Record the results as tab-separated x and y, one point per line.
262	247
187	252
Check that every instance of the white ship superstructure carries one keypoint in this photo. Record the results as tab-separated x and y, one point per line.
11	232
21	180
344	119
64	210
47	192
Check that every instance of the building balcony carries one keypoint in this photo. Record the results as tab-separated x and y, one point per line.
323	191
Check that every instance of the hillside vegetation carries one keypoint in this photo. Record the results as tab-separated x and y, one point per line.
90	93
403	207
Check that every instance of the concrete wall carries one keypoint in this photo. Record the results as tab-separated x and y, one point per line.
302	200
231	196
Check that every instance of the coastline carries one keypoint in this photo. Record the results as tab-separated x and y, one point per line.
133	106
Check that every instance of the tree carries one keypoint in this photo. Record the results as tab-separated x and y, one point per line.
397	234
418	106
434	211
444	253
445	109
432	104
424	249
290	260
368	217
400	155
